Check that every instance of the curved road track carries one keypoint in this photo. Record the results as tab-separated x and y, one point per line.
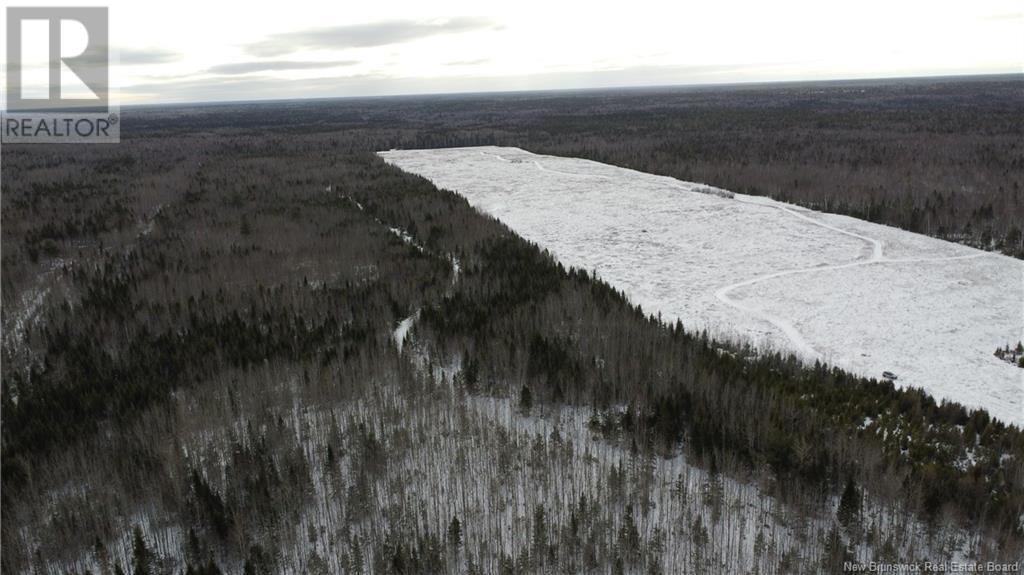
801	346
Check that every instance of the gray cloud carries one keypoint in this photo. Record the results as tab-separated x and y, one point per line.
125	57
136	56
468	62
364	35
269	65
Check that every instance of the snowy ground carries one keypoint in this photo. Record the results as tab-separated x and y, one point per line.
863	296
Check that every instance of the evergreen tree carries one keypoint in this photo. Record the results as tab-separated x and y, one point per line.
714	494
834	551
698	539
455	533
142	558
849	505
759	543
525	399
355	558
629	537
540	535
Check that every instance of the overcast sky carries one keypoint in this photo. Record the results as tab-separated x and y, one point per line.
191	50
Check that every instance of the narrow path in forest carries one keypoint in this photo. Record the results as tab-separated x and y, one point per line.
401	332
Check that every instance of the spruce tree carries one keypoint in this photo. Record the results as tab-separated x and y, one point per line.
540	535
849	505
525	399
834	552
141	556
455	532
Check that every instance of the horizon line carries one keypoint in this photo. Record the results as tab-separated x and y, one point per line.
695	85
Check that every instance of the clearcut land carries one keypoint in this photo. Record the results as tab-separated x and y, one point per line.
865	297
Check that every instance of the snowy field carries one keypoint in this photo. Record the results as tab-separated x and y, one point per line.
866	297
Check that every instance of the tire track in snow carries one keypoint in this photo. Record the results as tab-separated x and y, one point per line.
543	169
493	155
804	348
722	294
876	252
877	257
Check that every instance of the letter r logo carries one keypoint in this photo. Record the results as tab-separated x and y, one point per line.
57	58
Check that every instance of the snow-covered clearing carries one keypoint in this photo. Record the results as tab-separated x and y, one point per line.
866	297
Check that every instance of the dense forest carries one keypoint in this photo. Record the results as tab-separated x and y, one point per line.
240	342
941	157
